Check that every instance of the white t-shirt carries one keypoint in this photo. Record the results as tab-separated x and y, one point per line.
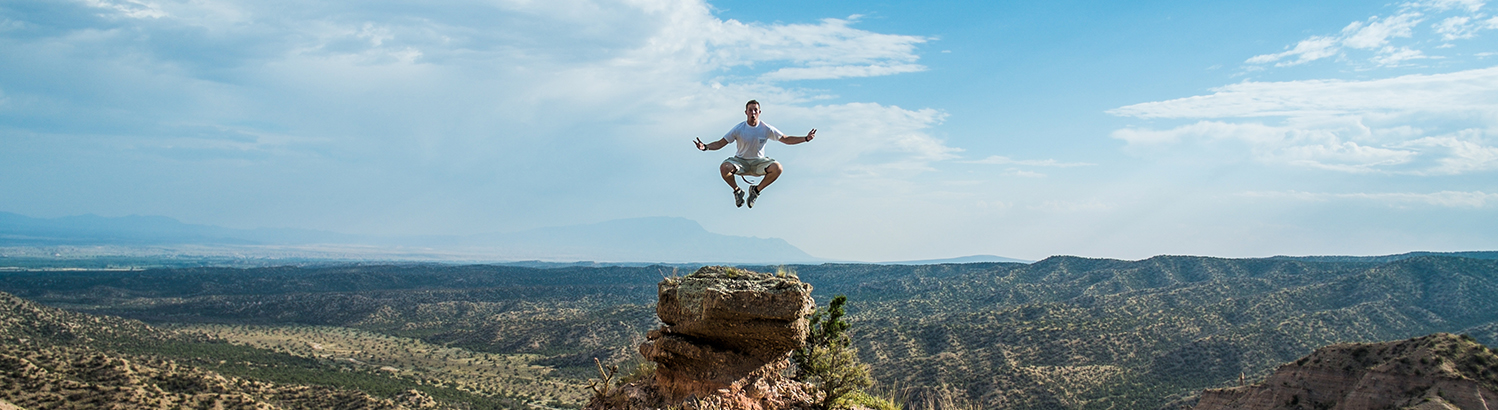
751	140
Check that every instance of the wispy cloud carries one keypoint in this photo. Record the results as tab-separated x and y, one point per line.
1015	172
841	71
1463	91
1471	6
828	50
1416	124
130	8
1376	35
1447	199
1308	50
877	140
1002	160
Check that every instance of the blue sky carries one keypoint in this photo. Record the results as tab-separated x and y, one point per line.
1024	130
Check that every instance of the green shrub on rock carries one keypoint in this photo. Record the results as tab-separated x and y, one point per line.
829	361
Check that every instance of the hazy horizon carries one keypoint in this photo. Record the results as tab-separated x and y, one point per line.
944	130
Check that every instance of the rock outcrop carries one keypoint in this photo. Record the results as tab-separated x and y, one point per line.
725	344
1440	371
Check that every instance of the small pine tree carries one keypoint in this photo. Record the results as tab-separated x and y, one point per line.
828	360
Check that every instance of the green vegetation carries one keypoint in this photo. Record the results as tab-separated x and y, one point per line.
864	399
384	364
829	361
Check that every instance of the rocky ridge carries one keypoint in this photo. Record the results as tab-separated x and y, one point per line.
1440	371
725	344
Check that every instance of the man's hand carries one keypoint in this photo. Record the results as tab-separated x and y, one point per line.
811	134
700	145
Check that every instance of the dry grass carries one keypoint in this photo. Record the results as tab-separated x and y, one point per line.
462	369
942	397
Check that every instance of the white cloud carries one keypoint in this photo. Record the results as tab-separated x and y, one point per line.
1464	27
1456	154
1013	172
1002	160
1316	148
1471	6
625	32
833	72
873	140
1375	34
1311	49
827	50
1458	27
1448	199
1468	91
1337	155
1393	57
1417	124
131	8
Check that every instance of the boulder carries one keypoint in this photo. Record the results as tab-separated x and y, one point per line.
725	343
732	313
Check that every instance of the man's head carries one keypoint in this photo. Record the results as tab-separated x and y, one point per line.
751	110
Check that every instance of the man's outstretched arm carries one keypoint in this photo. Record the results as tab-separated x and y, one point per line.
714	146
789	140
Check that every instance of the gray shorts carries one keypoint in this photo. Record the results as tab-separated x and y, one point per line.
749	166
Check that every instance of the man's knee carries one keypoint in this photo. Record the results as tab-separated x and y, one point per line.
774	168
725	168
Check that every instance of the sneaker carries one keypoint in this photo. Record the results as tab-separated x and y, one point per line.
738	198
753	195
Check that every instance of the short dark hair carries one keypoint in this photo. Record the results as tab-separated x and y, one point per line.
751	102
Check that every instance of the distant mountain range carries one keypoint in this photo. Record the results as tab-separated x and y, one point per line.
1389	258
642	240
655	239
964	259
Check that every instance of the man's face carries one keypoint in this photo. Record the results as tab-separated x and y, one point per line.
752	112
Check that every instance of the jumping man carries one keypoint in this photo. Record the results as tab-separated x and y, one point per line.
751	136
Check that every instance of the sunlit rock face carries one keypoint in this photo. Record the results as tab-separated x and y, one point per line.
725	343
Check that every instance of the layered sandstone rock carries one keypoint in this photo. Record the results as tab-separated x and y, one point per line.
725	343
1440	371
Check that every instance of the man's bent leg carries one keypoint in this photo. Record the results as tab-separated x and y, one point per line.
771	173
726	169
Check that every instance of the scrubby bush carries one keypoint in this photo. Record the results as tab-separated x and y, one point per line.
829	361
864	399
